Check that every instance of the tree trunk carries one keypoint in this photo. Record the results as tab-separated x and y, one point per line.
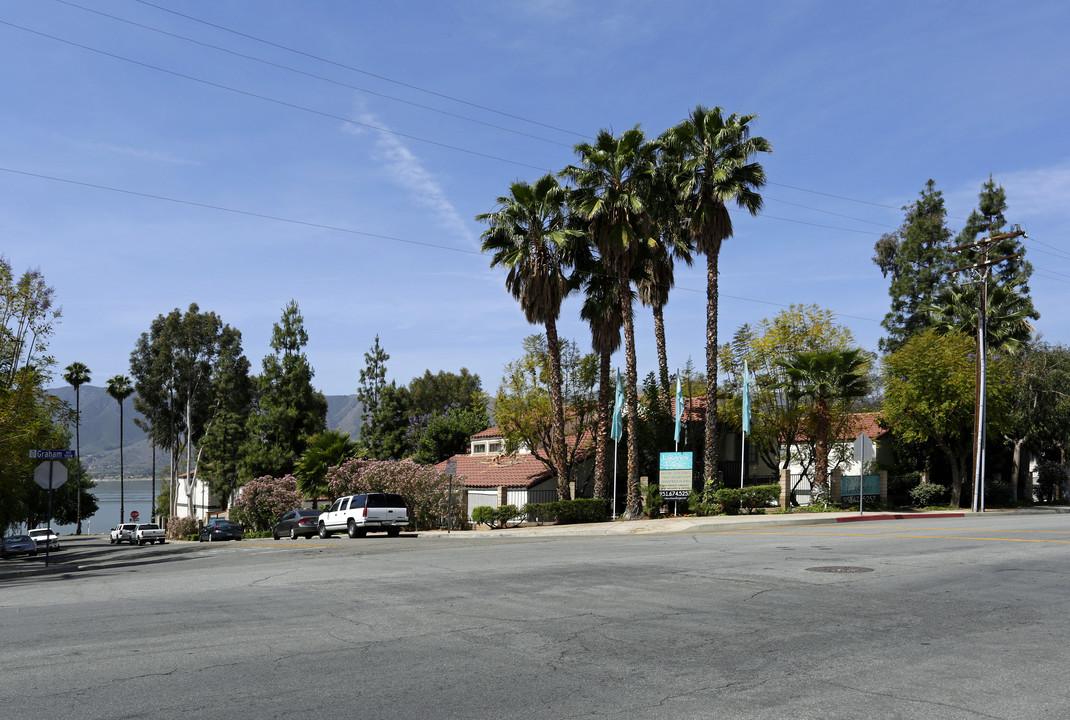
710	455
78	451
821	449
122	496
189	452
557	438
601	453
634	507
659	339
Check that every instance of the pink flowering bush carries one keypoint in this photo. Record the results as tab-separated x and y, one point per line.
425	489
263	500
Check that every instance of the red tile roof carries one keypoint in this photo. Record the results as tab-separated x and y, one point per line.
517	471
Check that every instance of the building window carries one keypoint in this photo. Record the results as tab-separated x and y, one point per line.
479	448
494	447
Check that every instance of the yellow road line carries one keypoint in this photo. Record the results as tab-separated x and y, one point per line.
881	536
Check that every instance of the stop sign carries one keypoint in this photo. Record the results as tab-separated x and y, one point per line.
56	469
133	515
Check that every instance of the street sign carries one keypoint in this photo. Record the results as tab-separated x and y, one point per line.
58	472
134	515
52	454
863	448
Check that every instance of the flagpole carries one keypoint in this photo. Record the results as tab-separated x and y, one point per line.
615	443
742	457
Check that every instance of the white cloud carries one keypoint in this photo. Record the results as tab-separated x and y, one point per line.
407	172
140	154
1038	193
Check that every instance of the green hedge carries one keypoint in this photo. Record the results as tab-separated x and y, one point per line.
568	512
496	517
732	501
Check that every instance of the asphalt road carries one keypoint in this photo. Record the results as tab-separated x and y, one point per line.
959	618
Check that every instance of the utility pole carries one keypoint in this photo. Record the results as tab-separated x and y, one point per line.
981	269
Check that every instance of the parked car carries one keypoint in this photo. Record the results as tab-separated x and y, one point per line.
123	532
220	529
295	523
46	538
19	545
148	533
361	514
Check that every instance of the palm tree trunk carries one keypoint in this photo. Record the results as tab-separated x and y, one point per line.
634	508
710	455
601	453
557	438
659	339
78	452
122	497
821	448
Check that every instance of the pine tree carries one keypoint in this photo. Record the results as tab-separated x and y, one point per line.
289	409
917	260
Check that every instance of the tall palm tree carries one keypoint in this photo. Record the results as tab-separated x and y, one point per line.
121	387
827	379
529	234
712	157
614	180
601	310
77	375
1007	313
672	242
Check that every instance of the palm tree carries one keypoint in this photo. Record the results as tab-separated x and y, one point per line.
712	155
121	387
614	180
325	450
529	234
657	263
827	378
77	375
1007	313
601	310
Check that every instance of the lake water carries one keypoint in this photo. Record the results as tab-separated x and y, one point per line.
137	495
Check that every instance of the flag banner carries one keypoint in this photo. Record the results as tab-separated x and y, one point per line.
617	427
679	406
746	398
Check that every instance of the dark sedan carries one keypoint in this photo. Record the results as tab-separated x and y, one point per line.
296	523
19	545
220	529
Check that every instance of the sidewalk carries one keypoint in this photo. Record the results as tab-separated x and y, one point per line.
694	524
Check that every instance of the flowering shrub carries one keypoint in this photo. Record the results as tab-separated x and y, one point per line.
425	489
180	528
261	501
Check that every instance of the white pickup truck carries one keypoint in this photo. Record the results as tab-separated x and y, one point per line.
148	533
123	532
361	514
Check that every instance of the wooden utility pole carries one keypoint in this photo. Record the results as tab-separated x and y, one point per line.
981	268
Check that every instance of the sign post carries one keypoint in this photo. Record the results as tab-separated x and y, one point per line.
50	474
863	448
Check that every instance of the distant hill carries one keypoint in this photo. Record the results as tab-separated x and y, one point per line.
100	431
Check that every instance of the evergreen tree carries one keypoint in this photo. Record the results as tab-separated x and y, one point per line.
372	382
917	260
289	409
225	438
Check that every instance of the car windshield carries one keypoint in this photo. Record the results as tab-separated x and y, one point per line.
18	538
225	524
150	527
309	513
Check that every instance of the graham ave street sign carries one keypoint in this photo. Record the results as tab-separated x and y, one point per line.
52	454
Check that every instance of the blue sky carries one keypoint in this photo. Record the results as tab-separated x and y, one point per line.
289	185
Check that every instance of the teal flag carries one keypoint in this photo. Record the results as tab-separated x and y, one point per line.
617	428
746	398
679	406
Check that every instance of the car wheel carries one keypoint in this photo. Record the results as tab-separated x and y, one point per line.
323	531
140	542
274	535
211	538
293	534
162	541
351	528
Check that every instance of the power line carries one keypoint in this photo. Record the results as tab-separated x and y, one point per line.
313	75
274	100
358	70
323	226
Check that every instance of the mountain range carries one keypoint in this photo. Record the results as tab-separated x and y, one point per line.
99	442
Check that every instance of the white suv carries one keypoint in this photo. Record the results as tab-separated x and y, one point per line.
361	514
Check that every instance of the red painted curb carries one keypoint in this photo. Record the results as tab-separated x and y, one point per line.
899	516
